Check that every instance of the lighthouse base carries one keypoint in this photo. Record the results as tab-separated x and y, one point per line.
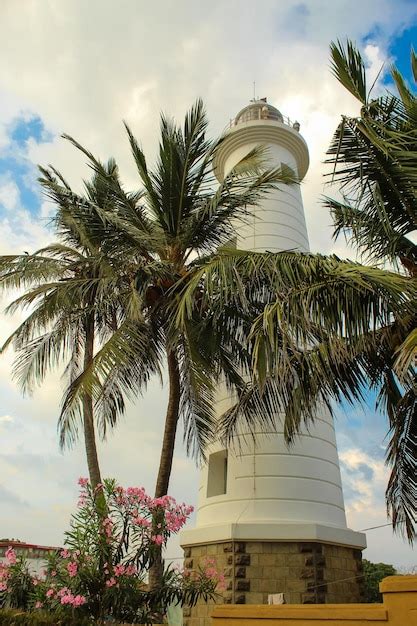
306	572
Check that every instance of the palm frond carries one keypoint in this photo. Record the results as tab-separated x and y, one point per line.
301	290
120	369
373	158
349	69
406	355
197	396
401	494
142	167
372	234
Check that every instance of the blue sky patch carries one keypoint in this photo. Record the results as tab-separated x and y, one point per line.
16	167
400	51
24	129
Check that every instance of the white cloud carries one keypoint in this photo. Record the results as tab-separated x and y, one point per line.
86	88
377	67
361	437
9	192
6	418
364	481
21	231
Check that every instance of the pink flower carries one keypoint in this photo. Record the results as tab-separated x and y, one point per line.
38	605
62	592
83	482
158	502
141	521
131	570
119	570
53	573
158	539
112	581
72	568
50	593
10	555
65	554
3	586
136	492
79	600
35	581
108	526
211	572
67	598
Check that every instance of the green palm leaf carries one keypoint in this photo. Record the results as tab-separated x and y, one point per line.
373	158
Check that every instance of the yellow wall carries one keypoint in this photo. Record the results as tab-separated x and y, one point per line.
399	608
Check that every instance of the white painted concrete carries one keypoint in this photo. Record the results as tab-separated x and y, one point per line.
273	491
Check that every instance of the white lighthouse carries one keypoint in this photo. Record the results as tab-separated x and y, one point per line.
273	517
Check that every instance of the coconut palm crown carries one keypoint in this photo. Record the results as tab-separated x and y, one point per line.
373	158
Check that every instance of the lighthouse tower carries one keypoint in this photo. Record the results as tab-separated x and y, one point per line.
273	517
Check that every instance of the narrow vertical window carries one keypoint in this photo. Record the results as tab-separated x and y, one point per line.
217	474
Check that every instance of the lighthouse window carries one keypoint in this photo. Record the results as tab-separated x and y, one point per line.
217	474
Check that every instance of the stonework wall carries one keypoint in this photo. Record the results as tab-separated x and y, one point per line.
307	573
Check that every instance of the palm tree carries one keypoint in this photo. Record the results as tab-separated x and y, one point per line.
172	227
373	158
76	297
374	161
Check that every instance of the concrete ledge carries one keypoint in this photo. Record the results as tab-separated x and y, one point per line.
256	531
262	132
399	608
324	612
395	584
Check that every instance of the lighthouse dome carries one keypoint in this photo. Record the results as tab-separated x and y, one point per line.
258	110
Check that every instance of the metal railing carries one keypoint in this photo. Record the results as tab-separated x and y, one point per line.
285	120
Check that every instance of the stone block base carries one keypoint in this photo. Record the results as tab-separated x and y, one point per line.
307	573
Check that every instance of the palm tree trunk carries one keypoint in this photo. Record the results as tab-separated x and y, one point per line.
171	421
167	454
88	415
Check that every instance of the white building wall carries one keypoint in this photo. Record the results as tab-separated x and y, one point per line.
36	566
279	223
274	490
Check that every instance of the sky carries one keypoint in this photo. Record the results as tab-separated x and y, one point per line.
83	67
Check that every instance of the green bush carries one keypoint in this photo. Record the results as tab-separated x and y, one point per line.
373	573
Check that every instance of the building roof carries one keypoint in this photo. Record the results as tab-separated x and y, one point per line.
21	545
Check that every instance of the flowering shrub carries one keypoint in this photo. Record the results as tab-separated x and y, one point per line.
16	582
101	572
207	570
